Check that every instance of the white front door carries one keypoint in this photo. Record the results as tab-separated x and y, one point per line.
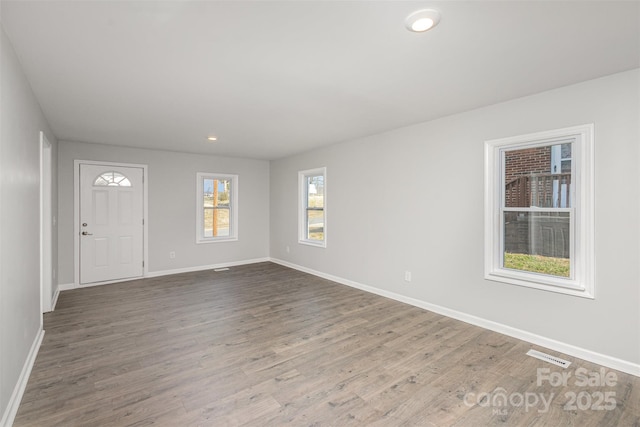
111	223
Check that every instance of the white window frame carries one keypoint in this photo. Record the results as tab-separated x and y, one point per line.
302	207
581	282
233	207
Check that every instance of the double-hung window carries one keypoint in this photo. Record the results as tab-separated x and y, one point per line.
312	216
539	210
217	207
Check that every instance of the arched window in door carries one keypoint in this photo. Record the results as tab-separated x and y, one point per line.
112	179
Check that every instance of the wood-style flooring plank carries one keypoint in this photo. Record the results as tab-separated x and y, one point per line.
264	345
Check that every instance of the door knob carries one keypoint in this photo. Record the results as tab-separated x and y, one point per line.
84	233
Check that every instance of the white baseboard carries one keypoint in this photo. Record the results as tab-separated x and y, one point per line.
160	273
582	353
66	287
54	300
206	267
18	391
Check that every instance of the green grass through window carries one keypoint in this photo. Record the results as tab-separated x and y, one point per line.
537	264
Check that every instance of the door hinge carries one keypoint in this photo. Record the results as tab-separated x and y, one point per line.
143	263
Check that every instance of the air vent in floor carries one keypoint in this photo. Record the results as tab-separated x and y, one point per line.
548	358
220	269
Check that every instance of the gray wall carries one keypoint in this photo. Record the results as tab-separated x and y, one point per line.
21	121
412	199
172	204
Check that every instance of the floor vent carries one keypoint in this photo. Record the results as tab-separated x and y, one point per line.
548	358
221	269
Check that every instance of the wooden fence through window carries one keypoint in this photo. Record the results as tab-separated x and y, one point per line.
538	190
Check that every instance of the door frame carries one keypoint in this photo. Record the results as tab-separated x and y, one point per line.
76	219
46	225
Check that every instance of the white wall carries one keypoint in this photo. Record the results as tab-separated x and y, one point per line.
412	199
21	121
172	204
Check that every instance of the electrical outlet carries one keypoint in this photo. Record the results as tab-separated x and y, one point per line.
288	249
407	276
172	255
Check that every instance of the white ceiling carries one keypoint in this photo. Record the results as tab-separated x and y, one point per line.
273	78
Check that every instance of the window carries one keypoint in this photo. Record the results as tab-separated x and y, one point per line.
112	179
313	204
217	210
539	210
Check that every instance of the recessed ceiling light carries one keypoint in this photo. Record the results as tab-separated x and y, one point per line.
212	138
422	20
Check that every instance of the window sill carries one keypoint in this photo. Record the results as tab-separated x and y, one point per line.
317	244
543	282
216	240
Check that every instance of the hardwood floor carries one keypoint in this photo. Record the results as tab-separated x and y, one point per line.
263	345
